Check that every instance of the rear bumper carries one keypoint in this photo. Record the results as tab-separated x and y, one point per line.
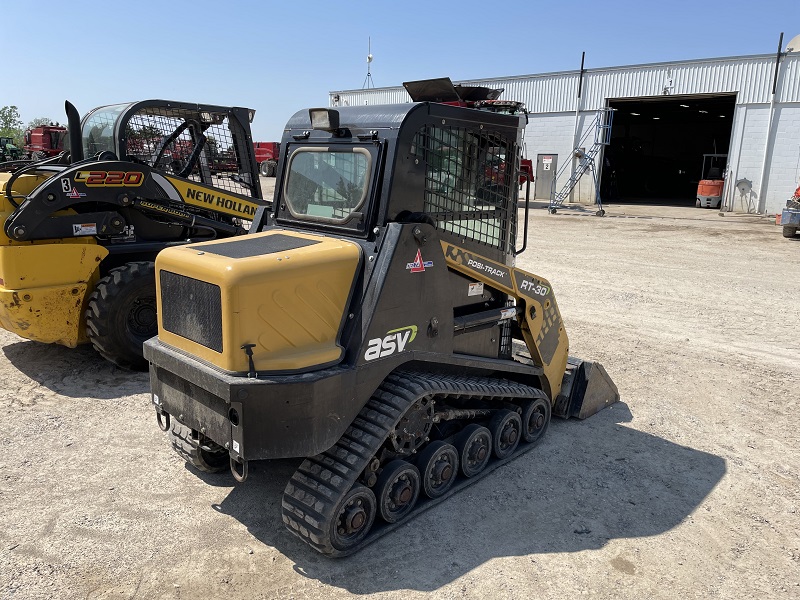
709	201
790	218
281	416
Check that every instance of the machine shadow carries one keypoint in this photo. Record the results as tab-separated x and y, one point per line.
74	372
587	483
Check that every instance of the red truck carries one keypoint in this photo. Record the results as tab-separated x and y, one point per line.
44	141
267	154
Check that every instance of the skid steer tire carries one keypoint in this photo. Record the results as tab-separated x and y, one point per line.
122	314
184	442
789	231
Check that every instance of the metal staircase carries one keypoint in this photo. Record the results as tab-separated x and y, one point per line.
601	128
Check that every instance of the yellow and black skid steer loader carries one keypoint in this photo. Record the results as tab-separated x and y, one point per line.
373	322
81	230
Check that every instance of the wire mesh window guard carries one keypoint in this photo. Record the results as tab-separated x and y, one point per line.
470	183
195	146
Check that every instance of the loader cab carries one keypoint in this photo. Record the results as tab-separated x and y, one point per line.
211	144
350	170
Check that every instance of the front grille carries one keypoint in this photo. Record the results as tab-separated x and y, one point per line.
192	309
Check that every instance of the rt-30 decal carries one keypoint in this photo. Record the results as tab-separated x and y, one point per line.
419	265
394	341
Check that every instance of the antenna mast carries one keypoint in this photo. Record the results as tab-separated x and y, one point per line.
368	83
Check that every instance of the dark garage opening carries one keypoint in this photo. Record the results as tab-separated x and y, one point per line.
657	147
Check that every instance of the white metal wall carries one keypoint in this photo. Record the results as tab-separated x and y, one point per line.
552	100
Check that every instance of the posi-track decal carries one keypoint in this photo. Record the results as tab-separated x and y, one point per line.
494	271
394	341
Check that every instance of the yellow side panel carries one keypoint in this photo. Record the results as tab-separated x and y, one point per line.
289	303
23	186
44	289
197	194
539	317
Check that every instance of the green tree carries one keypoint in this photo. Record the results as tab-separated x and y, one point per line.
11	124
38	122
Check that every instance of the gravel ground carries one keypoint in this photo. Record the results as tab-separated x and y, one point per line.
689	487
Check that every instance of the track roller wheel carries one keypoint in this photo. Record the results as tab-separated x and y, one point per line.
353	518
185	442
397	490
438	465
535	419
474	445
122	314
506	428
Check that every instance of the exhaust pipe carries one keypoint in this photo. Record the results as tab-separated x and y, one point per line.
74	126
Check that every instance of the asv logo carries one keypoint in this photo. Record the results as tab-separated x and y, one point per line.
394	341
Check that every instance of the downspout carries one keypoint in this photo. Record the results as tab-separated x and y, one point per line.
762	196
731	185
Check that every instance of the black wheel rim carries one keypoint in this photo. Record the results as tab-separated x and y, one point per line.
440	470
536	418
354	518
142	320
476	451
398	490
506	431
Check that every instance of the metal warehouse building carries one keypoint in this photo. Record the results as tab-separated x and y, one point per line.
667	117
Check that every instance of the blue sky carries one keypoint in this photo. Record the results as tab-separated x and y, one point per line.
280	57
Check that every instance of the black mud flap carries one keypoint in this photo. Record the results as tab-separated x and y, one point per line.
585	390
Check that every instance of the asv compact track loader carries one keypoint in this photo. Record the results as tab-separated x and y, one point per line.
80	234
373	323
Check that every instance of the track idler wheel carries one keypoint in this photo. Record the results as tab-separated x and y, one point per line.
397	490
353	518
535	419
506	428
474	445
438	465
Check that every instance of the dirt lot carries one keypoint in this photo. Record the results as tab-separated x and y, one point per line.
689	488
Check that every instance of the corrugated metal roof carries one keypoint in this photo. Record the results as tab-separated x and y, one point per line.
750	77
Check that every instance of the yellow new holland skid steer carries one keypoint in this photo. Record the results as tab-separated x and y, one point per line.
80	235
373	322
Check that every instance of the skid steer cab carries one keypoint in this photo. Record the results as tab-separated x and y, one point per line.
372	322
81	229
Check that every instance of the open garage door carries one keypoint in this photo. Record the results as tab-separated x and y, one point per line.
657	147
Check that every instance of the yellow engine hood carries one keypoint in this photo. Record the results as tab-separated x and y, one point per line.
282	291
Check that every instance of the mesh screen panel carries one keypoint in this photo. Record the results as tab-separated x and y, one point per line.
192	309
200	150
470	183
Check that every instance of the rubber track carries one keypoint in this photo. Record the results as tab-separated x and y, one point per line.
180	436
322	480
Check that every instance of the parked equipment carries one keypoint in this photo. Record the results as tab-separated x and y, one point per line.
44	141
8	151
712	182
80	234
373	322
267	154
790	216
